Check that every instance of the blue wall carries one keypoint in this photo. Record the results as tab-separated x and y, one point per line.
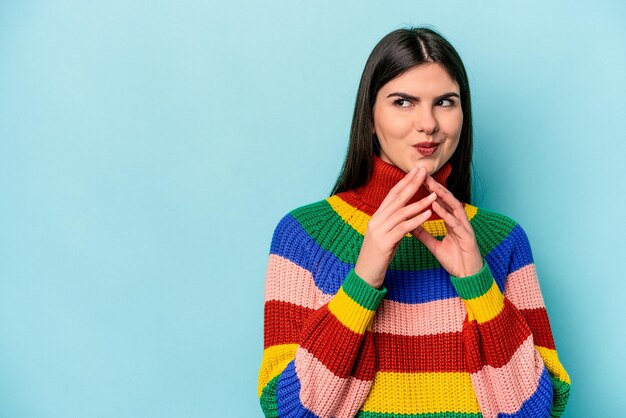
148	149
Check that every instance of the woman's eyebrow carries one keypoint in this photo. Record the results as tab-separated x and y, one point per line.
409	97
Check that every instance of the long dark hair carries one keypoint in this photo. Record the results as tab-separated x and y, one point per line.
396	53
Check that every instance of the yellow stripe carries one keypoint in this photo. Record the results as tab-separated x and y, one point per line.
275	359
355	218
421	393
437	228
358	220
554	366
487	306
471	211
350	313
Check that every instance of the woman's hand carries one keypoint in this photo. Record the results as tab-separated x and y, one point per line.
458	251
389	224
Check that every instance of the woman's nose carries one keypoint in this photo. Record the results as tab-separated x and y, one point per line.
425	121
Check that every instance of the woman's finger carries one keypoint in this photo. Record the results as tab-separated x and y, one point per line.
399	197
408	212
403	228
451	203
428	240
444	204
460	216
451	221
393	192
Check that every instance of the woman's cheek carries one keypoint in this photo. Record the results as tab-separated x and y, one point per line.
402	126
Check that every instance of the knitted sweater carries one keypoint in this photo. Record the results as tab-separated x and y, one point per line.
427	344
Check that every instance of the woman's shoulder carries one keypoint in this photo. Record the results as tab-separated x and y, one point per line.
490	217
309	217
497	231
486	221
310	212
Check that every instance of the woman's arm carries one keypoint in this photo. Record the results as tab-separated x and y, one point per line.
509	347
510	352
523	291
321	360
317	362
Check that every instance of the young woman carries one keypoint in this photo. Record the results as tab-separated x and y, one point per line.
395	297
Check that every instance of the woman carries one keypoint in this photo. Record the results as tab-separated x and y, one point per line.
396	297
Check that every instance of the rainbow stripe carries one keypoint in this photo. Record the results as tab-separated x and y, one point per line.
425	345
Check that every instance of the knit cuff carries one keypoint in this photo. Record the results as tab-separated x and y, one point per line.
365	295
483	299
356	302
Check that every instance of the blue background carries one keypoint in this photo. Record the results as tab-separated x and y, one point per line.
148	149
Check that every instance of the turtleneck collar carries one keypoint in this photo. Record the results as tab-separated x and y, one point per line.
385	176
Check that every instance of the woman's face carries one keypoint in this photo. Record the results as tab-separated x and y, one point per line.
418	118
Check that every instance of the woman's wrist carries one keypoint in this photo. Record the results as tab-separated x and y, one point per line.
372	279
473	268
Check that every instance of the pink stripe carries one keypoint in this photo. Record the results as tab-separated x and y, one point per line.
504	389
522	288
325	394
428	318
288	282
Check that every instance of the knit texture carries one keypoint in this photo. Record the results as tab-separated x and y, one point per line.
426	344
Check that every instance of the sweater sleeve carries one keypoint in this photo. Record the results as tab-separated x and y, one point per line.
317	361
510	350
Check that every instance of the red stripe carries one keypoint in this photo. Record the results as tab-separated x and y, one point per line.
321	333
283	322
350	198
424	353
494	342
539	324
335	345
365	368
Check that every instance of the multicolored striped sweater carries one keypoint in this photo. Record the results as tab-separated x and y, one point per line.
426	344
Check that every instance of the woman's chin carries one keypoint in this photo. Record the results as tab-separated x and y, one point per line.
430	166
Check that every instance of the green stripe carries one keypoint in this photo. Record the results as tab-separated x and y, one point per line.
431	415
326	227
490	229
269	404
361	292
561	396
474	286
333	234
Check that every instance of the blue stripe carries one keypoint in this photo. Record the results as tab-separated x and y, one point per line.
292	242
288	395
408	286
419	286
522	254
539	404
509	255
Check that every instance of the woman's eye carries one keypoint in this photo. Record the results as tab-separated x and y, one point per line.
402	103
447	102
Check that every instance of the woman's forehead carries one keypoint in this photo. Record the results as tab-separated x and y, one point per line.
424	79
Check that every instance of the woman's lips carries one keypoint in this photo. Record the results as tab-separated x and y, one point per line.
426	149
